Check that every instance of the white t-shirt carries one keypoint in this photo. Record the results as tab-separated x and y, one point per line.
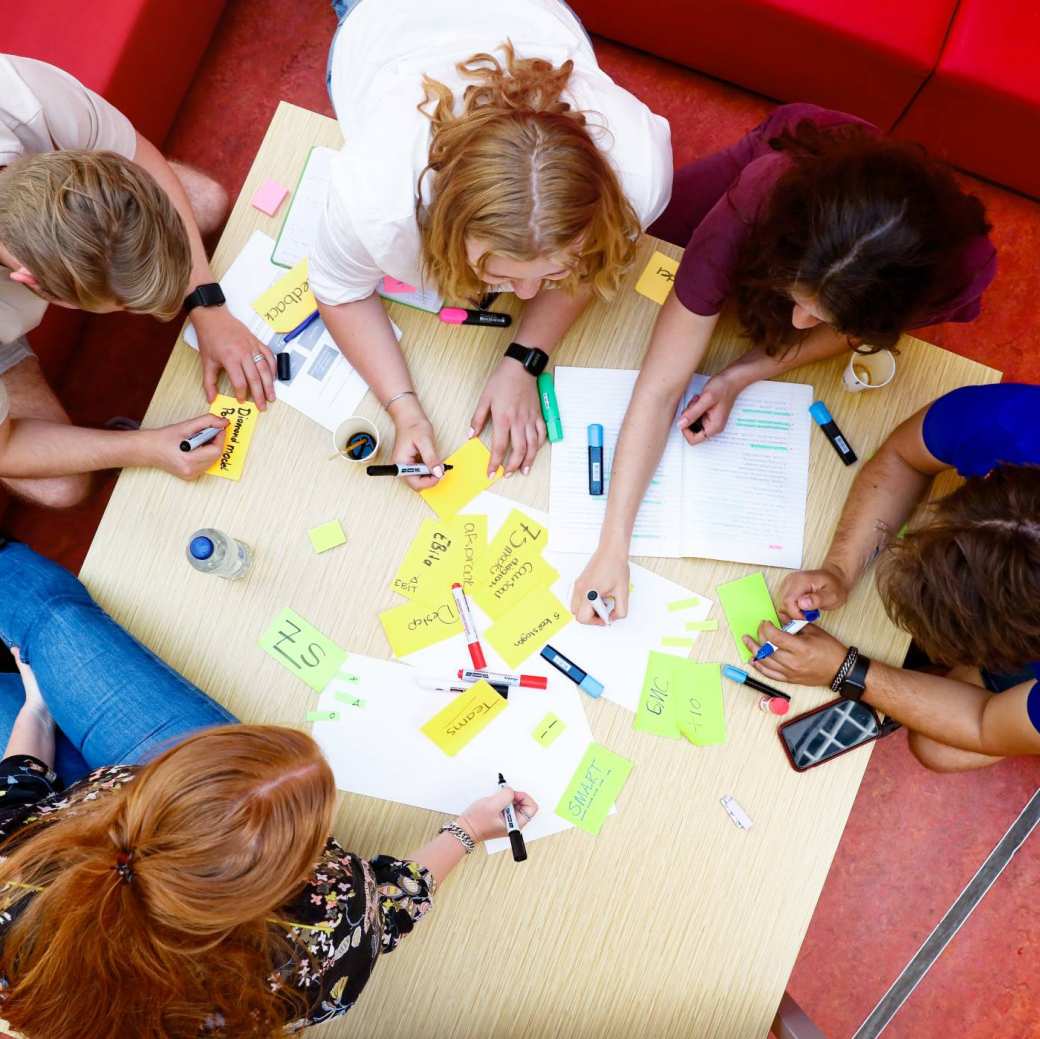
379	58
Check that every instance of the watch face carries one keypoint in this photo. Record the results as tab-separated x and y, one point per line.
535	361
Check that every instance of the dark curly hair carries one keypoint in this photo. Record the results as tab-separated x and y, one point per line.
870	226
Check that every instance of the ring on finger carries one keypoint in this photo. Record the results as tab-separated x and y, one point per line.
258	358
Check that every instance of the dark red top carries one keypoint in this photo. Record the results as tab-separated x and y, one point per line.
716	201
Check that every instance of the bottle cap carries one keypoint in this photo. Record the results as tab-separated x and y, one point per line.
201	547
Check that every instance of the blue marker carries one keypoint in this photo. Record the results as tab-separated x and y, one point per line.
582	679
595	459
300	328
830	430
791	628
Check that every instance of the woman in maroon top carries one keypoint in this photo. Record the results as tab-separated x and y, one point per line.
828	237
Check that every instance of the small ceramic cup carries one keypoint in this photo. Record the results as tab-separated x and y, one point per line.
869	371
356	439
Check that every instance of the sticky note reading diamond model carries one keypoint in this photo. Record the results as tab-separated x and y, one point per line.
237	437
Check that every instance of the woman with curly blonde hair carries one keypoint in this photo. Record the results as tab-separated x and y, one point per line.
484	149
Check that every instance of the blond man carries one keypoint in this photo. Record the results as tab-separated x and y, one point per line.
93	217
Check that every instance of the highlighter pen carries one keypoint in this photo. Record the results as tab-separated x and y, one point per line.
582	679
830	429
476	653
778	702
203	436
601	606
458	316
550	407
301	327
767	649
527	681
595	434
449	685
402	470
516	838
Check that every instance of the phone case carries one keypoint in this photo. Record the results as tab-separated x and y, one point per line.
819	710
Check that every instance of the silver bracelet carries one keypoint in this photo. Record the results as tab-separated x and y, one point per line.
460	835
846	666
398	396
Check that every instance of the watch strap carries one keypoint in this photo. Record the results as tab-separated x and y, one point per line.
533	359
855	683
208	295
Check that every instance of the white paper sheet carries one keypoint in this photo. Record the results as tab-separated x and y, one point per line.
741	496
300	227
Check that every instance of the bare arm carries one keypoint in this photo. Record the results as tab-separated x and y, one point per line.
548	317
33	730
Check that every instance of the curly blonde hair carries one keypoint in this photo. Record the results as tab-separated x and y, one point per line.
517	169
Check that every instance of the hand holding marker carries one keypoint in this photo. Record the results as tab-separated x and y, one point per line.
603	607
767	649
516	838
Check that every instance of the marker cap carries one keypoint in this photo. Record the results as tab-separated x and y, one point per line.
516	842
591	686
734	674
201	547
819	412
595	432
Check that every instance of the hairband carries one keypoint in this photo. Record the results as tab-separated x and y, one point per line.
126	874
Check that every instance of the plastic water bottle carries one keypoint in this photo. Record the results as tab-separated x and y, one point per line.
214	552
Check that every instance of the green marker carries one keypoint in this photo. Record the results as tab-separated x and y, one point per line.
550	409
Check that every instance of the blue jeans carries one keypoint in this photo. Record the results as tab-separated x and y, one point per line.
114	701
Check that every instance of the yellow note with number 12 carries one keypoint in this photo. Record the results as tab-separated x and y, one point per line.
241	423
467	715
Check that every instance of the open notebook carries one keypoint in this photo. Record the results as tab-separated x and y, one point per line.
740	496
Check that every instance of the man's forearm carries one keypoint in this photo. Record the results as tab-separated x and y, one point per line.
34	448
548	317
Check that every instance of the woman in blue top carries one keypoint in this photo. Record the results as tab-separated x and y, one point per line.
964	581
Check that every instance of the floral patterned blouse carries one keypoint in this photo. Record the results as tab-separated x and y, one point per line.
350	912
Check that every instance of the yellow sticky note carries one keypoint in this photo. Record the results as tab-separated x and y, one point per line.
527	627
432	563
289	301
656	281
513	566
327	536
241	423
473	531
468	714
416	625
546	731
468	477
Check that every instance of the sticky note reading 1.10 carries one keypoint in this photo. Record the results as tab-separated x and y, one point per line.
300	648
468	477
746	603
468	714
593	788
656	281
237	437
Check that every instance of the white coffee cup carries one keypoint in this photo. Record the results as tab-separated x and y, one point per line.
350	428
869	371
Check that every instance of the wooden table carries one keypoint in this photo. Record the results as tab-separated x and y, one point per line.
672	922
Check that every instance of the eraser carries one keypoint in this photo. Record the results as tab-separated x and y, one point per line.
269	196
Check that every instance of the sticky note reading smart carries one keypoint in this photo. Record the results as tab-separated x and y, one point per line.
289	301
527	627
416	625
458	487
593	788
327	536
698	711
241	423
546	731
657	279
746	603
467	715
300	648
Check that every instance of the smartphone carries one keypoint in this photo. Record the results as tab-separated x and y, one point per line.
830	731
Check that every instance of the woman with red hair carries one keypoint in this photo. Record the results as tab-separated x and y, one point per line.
197	894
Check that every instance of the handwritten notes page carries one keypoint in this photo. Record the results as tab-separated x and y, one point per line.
746	603
457	488
594	788
303	650
300	227
740	496
237	437
681	698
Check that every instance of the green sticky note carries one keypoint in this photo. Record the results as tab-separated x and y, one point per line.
593	788
662	683
327	536
683	604
698	710
300	648
702	625
323	716
677	642
548	729
348	698
746	603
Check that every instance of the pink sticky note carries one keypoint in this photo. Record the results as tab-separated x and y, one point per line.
269	196
393	285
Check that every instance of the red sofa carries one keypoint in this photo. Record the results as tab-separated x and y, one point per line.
961	76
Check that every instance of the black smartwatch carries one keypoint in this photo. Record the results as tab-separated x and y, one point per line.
533	359
854	685
208	295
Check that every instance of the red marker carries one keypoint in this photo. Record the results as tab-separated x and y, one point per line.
476	654
458	316
527	681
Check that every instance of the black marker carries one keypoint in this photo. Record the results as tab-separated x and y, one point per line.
402	470
203	436
830	428
516	838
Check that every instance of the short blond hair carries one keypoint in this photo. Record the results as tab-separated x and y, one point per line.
517	169
95	229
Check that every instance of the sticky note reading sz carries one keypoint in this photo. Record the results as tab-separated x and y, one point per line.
527	627
289	301
237	437
593	788
656	281
300	648
746	603
457	488
467	715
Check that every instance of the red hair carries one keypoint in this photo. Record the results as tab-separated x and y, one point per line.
213	836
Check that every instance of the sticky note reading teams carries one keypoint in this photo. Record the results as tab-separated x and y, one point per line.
698	712
546	731
416	625
241	423
527	627
594	788
327	536
300	648
457	488
467	715
746	603
656	281
289	301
